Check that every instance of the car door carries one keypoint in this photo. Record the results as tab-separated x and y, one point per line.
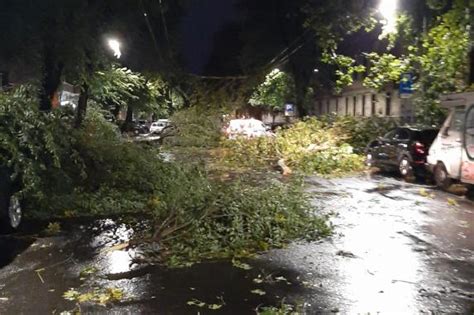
399	146
467	169
451	142
385	147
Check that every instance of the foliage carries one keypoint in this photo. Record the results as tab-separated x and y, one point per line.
360	130
201	304
196	127
438	59
283	309
99	296
384	70
346	69
350	18
93	171
443	61
116	88
240	218
53	228
30	144
277	89
312	146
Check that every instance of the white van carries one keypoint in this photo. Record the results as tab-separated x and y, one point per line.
451	156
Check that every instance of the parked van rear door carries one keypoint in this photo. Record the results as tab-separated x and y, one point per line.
451	136
467	174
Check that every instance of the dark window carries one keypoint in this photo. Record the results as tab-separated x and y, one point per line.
457	120
390	135
469	138
426	136
374	102
402	134
328	107
388	104
347	106
354	100
363	105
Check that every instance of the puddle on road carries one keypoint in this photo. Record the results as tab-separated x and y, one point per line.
406	253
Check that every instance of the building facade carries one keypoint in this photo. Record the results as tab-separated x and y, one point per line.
359	101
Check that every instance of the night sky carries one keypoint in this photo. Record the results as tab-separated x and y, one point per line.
204	19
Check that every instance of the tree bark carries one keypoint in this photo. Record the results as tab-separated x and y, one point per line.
84	96
127	124
116	112
52	71
82	105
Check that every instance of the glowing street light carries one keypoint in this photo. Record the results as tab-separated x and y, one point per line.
115	46
388	10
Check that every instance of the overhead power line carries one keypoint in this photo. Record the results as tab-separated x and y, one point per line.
150	31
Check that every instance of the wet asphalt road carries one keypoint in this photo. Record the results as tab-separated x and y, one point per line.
397	248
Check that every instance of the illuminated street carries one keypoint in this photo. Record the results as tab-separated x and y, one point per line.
397	247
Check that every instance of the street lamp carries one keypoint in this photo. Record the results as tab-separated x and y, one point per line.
388	10
115	46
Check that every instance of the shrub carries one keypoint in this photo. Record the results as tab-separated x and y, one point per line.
196	127
33	144
361	130
311	146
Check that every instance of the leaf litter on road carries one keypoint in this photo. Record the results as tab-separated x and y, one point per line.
210	306
238	264
424	193
452	202
258	292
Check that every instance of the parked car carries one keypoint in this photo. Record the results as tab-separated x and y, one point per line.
248	128
142	127
403	149
451	157
10	205
151	137
159	125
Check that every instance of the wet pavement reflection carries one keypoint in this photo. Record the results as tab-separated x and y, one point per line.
397	248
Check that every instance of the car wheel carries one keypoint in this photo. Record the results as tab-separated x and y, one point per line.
441	176
12	214
405	168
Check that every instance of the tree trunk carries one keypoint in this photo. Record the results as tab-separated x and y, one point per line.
116	112
129	118
52	71
84	96
82	105
127	125
300	88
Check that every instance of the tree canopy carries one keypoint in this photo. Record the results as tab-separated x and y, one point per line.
277	89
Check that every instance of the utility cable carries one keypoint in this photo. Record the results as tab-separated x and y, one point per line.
150	30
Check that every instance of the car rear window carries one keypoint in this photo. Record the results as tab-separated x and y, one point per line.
426	136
